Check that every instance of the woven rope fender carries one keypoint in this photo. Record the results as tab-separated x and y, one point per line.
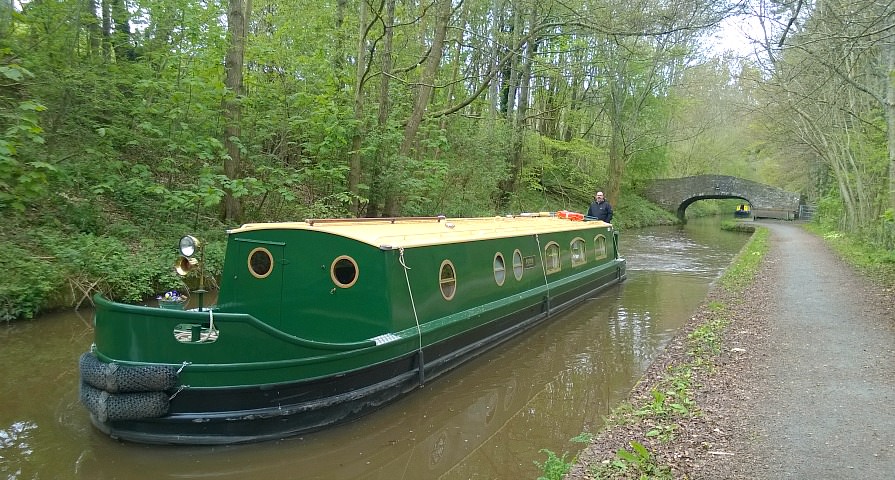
123	406
115	378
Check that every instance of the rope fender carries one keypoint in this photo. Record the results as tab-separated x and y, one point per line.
115	378
123	406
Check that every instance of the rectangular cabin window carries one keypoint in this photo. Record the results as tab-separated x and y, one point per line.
578	252
552	257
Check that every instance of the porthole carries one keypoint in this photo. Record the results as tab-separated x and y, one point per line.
447	280
577	248
500	269
260	262
551	257
600	246
343	271
518	267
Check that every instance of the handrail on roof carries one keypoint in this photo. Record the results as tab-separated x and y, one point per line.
312	221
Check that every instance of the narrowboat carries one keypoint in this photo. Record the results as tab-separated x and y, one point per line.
321	321
742	211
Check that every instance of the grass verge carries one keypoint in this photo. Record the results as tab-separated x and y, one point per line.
875	262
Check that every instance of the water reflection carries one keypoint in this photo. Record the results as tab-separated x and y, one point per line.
487	419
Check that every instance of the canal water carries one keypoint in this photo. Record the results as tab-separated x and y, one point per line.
488	419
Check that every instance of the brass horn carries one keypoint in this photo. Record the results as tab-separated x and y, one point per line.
184	265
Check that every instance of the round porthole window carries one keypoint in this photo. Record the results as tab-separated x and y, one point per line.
500	269
447	279
260	262
343	271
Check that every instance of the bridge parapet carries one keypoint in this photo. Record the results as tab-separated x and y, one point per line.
676	194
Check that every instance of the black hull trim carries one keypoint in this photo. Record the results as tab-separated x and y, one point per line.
269	412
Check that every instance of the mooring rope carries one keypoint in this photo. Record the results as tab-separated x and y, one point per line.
544	270
211	328
416	318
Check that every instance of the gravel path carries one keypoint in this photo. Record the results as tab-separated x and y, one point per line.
805	387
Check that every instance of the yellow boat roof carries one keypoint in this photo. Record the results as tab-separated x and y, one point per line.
421	231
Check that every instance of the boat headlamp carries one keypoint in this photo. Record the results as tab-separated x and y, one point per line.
188	245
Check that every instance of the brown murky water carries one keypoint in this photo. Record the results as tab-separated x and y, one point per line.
489	419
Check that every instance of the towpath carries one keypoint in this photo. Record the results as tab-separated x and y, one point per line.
807	388
825	393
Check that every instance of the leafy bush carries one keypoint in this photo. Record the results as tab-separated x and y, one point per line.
29	283
555	467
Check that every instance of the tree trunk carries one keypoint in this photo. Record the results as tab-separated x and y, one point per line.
377	189
519	121
92	24
107	29
354	164
6	10
888	47
426	86
121	38
617	160
237	15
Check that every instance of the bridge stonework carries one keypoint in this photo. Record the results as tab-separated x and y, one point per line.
676	194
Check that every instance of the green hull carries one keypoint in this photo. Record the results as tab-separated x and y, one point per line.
316	326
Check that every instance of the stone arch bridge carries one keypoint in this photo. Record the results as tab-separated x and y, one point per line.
676	194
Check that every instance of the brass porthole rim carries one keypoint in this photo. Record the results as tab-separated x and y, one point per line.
441	284
332	271
249	262
502	262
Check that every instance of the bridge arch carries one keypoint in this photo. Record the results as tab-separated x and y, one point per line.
676	194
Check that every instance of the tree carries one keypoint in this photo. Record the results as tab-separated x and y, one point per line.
834	64
237	17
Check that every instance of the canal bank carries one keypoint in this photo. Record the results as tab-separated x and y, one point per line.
801	386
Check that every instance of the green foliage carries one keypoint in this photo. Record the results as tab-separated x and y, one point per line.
875	262
745	266
29	284
471	169
555	467
663	432
24	174
92	264
566	170
634	212
635	463
663	404
705	341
